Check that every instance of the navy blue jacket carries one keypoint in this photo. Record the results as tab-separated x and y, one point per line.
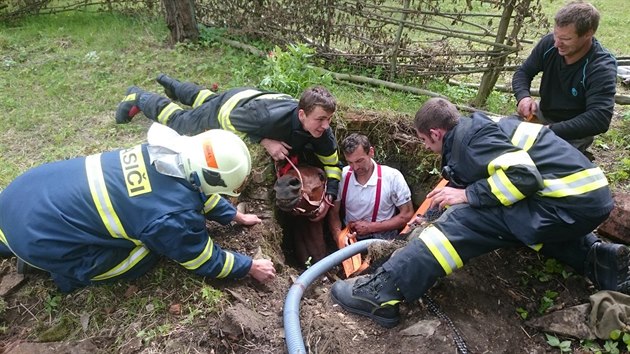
506	162
577	99
110	216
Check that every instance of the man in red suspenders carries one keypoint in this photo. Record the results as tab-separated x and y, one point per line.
369	194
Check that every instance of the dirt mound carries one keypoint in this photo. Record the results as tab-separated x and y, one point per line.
172	311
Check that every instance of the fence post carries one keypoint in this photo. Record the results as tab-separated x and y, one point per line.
490	77
401	27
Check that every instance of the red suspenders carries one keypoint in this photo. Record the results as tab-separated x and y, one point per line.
377	201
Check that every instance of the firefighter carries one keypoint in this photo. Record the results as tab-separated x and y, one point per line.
281	124
511	183
109	216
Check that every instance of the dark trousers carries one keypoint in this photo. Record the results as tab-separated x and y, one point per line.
476	231
185	121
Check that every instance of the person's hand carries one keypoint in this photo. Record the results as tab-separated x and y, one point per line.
343	241
278	150
324	206
262	270
526	107
246	219
417	220
360	227
443	197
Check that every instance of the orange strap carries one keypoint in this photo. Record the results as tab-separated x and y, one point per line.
352	264
424	206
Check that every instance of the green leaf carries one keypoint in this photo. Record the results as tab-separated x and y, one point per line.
565	346
552	340
615	334
522	312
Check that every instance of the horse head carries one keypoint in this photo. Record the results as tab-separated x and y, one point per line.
301	190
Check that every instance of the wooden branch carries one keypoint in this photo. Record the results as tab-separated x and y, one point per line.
356	78
449	33
243	46
619	99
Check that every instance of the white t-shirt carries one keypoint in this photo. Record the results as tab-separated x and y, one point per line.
360	199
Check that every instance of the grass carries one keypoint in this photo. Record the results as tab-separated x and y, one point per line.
613	27
61	77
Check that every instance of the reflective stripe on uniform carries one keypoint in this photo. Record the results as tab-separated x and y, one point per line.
441	248
274	96
537	247
101	199
330	163
228	106
578	183
525	135
333	172
130	97
227	265
331	159
167	112
135	256
201	97
202	258
500	185
212	201
3	239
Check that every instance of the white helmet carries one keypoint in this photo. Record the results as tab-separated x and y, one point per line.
217	160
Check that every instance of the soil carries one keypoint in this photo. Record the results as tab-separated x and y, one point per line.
480	301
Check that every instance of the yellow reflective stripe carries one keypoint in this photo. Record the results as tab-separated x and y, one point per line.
212	201
135	256
502	188
130	97
510	159
331	159
228	106
3	239
575	184
525	135
333	172
201	97
500	184
202	258
227	265
101	199
442	249
390	303
167	112
536	247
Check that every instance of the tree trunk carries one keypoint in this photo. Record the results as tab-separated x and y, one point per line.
180	20
491	76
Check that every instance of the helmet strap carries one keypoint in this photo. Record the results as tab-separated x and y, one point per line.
196	182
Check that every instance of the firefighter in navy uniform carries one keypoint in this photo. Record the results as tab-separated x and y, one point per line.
511	183
110	216
280	123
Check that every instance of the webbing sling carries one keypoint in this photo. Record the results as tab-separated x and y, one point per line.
377	202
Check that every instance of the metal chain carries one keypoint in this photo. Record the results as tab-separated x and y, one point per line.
460	343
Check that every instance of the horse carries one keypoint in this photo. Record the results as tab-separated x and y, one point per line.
300	190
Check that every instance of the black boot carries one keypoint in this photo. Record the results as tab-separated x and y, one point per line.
608	266
170	85
374	295
128	107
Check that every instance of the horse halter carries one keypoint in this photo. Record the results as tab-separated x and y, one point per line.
305	206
